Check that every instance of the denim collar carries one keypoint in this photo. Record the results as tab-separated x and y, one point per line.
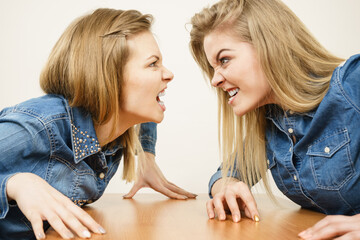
83	137
274	112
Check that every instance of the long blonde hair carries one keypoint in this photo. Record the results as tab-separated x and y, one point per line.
297	67
86	67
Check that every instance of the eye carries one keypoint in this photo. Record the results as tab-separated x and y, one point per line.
224	60
153	64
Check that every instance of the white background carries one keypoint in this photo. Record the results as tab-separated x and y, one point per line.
187	148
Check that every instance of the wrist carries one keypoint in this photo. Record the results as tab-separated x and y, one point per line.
13	184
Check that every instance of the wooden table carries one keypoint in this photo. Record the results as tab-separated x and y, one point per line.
153	216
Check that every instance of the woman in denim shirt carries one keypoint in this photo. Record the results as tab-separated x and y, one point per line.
59	151
286	104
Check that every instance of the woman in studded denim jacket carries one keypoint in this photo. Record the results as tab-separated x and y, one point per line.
59	151
287	105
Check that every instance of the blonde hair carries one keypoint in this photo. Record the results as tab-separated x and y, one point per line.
297	68
86	66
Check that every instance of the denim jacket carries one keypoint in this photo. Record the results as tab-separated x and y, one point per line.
314	157
47	137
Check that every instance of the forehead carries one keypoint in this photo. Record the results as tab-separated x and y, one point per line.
218	39
143	45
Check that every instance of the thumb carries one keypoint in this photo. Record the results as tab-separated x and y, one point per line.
133	191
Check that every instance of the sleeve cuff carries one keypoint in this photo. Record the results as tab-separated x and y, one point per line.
218	175
213	179
4	203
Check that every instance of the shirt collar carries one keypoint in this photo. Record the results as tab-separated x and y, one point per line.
83	136
273	111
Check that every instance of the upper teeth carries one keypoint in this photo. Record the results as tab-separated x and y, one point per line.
233	92
161	94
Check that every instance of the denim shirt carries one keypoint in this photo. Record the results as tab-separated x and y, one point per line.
47	137
314	157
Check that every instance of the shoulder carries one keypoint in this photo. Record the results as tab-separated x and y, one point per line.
45	109
346	79
348	73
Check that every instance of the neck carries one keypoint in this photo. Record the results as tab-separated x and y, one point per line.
123	123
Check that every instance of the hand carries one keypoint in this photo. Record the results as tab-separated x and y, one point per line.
151	176
39	202
233	197
339	227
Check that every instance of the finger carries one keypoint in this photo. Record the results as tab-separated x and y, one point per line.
249	201
73	223
58	225
37	225
319	227
133	191
330	231
219	208
328	220
179	190
210	209
169	193
233	206
86	219
329	226
80	214
349	236
247	212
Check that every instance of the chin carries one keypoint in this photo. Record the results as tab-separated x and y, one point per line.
156	119
239	112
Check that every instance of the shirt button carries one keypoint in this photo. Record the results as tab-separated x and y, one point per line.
290	130
268	162
327	149
290	149
295	178
102	175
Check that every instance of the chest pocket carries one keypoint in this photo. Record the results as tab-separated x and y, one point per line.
330	160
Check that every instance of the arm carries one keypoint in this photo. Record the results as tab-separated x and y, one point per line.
151	175
25	149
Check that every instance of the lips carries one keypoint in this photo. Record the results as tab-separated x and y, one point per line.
232	93
161	103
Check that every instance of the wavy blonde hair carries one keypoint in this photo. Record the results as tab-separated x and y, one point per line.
86	66
297	68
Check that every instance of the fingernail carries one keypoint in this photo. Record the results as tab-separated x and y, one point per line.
102	230
86	234
304	235
301	234
236	218
222	216
211	215
256	218
70	235
40	236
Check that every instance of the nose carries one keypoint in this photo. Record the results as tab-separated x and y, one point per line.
217	80
167	74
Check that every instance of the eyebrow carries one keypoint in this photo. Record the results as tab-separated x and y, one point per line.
153	56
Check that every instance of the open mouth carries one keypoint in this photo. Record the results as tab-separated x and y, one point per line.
161	103
232	93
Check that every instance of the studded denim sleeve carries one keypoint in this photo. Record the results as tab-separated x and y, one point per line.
148	136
